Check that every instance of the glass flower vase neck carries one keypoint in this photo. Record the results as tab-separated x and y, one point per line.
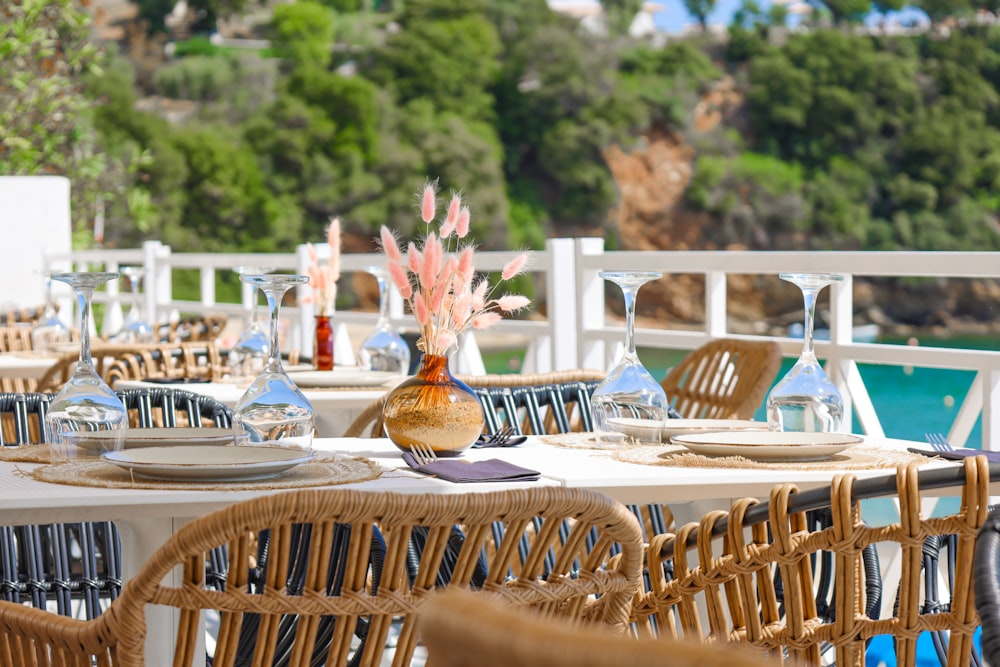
384	349
629	390
86	417
273	411
433	408
323	343
805	399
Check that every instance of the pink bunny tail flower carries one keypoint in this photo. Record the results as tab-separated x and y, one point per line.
454	207
313	256
511	302
479	295
428	205
514	266
465	267
461	311
401	279
445	340
333	240
485	320
414	258
433	257
462	226
389	245
420	310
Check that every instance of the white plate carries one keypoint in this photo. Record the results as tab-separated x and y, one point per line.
652	430
158	437
343	377
768	445
208	463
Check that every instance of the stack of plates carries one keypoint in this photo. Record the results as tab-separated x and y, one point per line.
157	437
209	463
652	430
345	376
768	445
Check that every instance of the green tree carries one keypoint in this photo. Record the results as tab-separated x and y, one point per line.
303	33
701	10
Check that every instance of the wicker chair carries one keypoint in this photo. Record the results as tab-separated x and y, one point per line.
197	361
193	328
462	630
15	338
71	562
759	588
726	378
581	585
986	575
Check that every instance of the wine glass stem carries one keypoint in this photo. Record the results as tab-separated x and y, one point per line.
273	303
83	295
809	296
629	293
383	302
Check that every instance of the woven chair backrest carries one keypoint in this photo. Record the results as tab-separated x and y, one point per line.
571	575
460	629
743	599
726	378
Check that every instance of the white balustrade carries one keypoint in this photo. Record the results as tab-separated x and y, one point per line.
570	331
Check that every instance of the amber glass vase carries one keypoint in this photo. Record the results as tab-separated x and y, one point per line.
323	345
433	408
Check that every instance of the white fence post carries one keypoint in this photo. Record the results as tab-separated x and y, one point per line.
716	324
590	307
563	345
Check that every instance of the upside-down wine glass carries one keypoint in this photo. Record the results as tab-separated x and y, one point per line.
49	331
629	390
135	329
273	410
384	349
85	417
249	354
806	399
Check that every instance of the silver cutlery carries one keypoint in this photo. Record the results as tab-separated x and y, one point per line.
423	454
938	442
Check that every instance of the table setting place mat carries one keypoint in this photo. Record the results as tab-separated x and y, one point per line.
860	457
325	469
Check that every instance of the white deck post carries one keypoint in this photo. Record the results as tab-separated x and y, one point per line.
560	295
590	307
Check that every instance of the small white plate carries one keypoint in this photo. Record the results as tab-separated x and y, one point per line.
210	463
652	430
159	437
768	445
343	377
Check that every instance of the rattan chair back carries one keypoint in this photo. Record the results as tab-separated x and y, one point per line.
15	338
758	585
464	630
726	378
199	361
193	328
562	575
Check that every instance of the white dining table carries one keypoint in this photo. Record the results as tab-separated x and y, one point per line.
147	517
335	408
26	364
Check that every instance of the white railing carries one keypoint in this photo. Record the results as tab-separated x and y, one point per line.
570	330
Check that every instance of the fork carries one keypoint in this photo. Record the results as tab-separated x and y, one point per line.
938	442
423	454
498	439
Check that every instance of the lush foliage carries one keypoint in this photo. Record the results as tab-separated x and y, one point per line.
842	139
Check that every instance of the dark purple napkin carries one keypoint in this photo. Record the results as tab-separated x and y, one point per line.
460	471
957	454
177	380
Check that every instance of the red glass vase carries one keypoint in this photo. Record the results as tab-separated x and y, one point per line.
433	408
323	344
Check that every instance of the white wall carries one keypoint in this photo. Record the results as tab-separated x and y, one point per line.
34	221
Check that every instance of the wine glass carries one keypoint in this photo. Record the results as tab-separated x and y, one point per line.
85	417
249	354
135	329
384	349
273	410
49	330
806	399
628	390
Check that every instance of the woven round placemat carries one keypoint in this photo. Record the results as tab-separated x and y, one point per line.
860	457
583	440
325	470
26	454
